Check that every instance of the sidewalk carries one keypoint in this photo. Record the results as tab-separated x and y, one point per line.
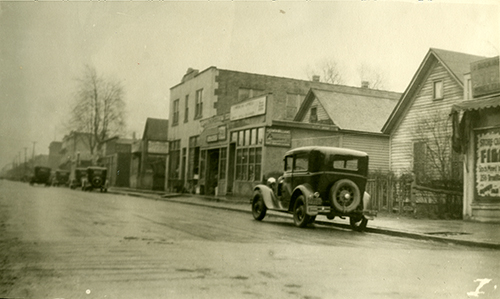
460	232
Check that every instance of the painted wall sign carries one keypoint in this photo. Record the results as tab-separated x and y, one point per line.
278	137
488	163
485	76
249	108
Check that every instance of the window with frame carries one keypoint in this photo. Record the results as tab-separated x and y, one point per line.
186	109
194	157
313	117
248	155
198	109
301	162
223	163
175	159
175	117
438	91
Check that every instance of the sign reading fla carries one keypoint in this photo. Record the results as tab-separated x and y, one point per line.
485	76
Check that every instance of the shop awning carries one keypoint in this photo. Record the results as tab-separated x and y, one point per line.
477	104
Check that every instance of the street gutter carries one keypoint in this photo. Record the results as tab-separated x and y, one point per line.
375	230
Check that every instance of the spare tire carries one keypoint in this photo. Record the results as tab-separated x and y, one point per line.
345	195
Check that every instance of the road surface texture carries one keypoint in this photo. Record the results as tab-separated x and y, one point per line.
62	243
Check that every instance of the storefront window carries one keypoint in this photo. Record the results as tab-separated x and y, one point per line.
249	155
202	164
175	159
223	163
253	138
247	137
260	136
194	157
241	138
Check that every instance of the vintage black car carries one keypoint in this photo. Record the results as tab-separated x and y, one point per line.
96	179
60	177
76	177
318	180
41	175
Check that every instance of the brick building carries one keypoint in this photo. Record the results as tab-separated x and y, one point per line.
228	130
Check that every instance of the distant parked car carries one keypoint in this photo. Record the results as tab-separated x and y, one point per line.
96	179
60	177
41	175
318	180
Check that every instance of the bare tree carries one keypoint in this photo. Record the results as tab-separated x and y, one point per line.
373	76
436	166
98	109
434	132
328	70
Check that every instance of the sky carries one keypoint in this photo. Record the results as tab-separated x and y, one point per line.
149	45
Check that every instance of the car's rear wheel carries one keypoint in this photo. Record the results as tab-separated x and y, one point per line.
358	224
345	195
259	208
300	217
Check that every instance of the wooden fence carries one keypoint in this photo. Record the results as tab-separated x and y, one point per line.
392	194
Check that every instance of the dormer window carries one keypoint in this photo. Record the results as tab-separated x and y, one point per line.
313	117
438	90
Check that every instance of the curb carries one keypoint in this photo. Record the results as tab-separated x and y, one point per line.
373	229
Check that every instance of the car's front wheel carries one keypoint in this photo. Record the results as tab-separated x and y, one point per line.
300	217
358	224
259	208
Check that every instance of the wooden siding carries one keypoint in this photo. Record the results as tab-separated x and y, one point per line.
377	148
323	116
401	147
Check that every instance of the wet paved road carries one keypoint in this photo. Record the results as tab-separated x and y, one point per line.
61	243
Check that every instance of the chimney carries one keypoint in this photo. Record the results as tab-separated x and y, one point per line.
365	84
315	78
133	135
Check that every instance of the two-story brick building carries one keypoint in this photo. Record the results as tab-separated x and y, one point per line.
229	130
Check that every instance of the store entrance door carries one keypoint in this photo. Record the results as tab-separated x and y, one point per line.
212	180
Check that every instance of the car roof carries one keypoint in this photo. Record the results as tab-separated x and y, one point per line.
329	150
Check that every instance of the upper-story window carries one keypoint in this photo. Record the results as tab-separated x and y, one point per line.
186	109
198	112
313	117
175	118
438	90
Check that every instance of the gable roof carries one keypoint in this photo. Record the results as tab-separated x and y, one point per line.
365	110
457	64
156	129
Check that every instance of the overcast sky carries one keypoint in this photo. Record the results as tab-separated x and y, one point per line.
150	45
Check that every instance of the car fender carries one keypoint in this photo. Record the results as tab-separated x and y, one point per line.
270	199
305	190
